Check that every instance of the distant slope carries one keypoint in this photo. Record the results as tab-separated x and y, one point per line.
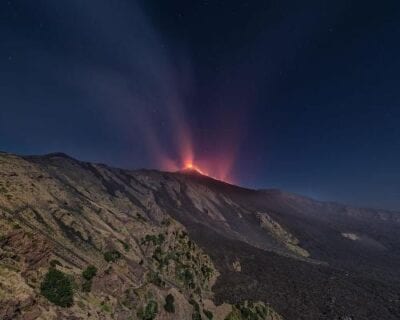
208	243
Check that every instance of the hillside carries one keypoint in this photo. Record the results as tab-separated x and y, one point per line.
86	241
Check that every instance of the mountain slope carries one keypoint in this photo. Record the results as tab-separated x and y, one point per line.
211	245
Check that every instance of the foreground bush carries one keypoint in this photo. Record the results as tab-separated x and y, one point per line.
88	275
208	314
89	272
57	288
149	312
169	304
112	256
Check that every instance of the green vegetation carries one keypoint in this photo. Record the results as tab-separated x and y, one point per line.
149	312
155	279
169	304
54	263
249	311
112	256
191	267
234	315
88	275
16	226
186	276
206	271
163	258
196	313
140	217
158	256
155	240
87	286
166	222
89	272
105	307
194	304
183	235
208	314
196	316
57	288
126	246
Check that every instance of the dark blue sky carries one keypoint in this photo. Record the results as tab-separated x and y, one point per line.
302	96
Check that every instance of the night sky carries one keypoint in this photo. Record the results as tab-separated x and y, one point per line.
299	95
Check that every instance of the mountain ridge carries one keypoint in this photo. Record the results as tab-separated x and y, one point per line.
213	246
187	171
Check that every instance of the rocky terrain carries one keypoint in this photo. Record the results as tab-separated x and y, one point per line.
86	241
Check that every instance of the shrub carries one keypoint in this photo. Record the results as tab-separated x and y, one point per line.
262	311
196	316
208	314
126	246
169	304
140	217
183	235
87	286
89	272
105	307
195	305
54	263
112	256
57	288
155	278
248	310
206	271
16	226
186	276
160	239
149	312
234	315
157	255
155	240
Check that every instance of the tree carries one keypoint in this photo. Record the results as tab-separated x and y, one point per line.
169	304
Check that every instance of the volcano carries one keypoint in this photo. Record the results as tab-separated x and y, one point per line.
191	171
146	244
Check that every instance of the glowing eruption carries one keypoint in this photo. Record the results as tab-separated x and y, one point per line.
212	172
217	166
191	167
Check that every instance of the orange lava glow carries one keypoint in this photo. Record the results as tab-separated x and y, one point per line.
191	166
210	171
183	155
218	167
